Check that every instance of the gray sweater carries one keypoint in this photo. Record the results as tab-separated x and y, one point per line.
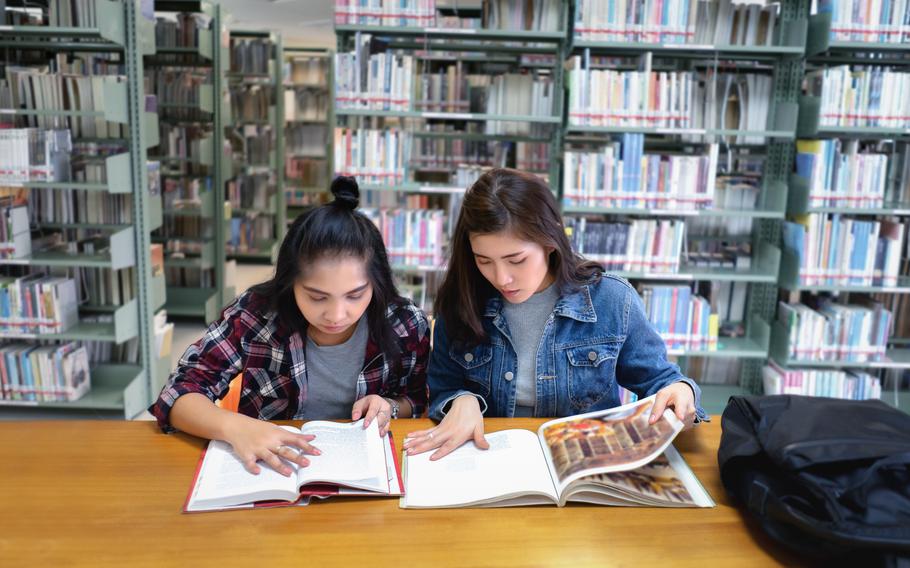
526	322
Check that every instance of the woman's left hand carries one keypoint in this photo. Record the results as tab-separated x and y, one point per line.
373	407
681	398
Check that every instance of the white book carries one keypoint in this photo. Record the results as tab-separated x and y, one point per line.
544	468
355	461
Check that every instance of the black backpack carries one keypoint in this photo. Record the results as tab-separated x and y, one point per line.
828	478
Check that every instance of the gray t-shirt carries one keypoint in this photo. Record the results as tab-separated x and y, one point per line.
526	323
332	372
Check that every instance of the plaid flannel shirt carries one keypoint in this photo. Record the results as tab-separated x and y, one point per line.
250	339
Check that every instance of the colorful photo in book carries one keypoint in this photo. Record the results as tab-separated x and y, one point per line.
589	443
656	480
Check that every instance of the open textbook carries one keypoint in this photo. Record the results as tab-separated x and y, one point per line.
609	457
354	461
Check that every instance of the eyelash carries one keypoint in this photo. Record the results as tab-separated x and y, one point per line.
357	297
516	262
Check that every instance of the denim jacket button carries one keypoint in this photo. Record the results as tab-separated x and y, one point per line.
508	376
592	356
468	357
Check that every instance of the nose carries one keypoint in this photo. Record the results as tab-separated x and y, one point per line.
334	313
502	276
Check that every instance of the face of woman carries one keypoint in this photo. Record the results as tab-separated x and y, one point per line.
332	295
515	267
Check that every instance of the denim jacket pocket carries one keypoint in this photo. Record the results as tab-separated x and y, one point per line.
477	365
592	372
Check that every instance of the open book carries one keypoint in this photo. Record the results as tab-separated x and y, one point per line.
354	461
609	457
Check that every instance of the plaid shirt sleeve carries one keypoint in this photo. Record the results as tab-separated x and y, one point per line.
414	357
208	366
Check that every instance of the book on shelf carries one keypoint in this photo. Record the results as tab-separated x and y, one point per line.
54	13
44	373
413	237
699	22
836	332
248	231
306	140
519	94
251	102
536	15
183	141
355	461
15	234
305	105
250	191
830	383
623	175
860	21
372	156
164	334
375	81
609	457
251	56
37	304
861	96
180	29
304	70
653	246
835	250
683	319
840	174
33	154
399	13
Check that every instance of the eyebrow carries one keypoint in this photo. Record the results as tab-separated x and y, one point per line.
318	291
514	254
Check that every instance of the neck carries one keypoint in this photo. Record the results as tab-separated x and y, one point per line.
549	279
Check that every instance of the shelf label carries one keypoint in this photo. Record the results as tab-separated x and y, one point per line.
467	31
449	115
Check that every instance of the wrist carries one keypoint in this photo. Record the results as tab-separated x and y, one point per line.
394	407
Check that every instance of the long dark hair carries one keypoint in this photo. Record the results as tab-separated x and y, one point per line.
332	230
504	200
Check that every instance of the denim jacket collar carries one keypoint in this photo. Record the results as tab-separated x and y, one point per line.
576	305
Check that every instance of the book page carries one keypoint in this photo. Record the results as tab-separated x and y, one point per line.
223	481
513	466
667	481
616	439
351	455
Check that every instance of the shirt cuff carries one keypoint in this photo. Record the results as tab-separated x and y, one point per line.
700	414
446	402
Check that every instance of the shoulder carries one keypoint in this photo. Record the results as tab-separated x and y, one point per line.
406	319
607	286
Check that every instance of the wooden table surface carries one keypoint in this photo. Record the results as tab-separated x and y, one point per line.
108	493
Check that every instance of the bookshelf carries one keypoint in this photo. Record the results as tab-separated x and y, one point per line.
258	211
196	216
826	49
122	33
308	86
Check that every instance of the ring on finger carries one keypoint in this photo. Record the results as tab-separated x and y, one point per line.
430	435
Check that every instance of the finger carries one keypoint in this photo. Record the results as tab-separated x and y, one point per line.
372	410
249	464
385	429
450	446
660	403
681	411
414	437
479	439
273	461
428	443
357	409
302	443
293	455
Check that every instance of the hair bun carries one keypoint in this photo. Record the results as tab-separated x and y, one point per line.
346	192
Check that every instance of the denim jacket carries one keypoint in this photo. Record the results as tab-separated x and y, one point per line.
597	337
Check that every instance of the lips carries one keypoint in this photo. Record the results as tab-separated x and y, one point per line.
510	293
334	328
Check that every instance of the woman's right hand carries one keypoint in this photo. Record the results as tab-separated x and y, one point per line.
462	422
255	440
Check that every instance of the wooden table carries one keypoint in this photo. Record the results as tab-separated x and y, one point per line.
110	494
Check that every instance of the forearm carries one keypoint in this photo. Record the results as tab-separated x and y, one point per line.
195	414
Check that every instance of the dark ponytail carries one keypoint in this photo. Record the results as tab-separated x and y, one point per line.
335	229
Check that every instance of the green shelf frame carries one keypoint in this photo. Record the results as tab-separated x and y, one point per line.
798	203
789	280
895	358
193	302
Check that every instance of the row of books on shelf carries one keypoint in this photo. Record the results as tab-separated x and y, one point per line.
861	96
304	104
71	206
302	70
44	373
182	141
836	332
372	156
250	191
306	139
861	21
376	81
541	15
184	233
683	319
412	237
837	250
252	144
37	89
701	22
848	173
622	175
180	29
184	193
306	172
853	385
251	55
247	232
37	303
178	86
407	13
107	287
251	102
34	154
639	245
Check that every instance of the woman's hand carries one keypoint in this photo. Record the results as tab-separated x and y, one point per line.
255	440
371	407
462	422
681	398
